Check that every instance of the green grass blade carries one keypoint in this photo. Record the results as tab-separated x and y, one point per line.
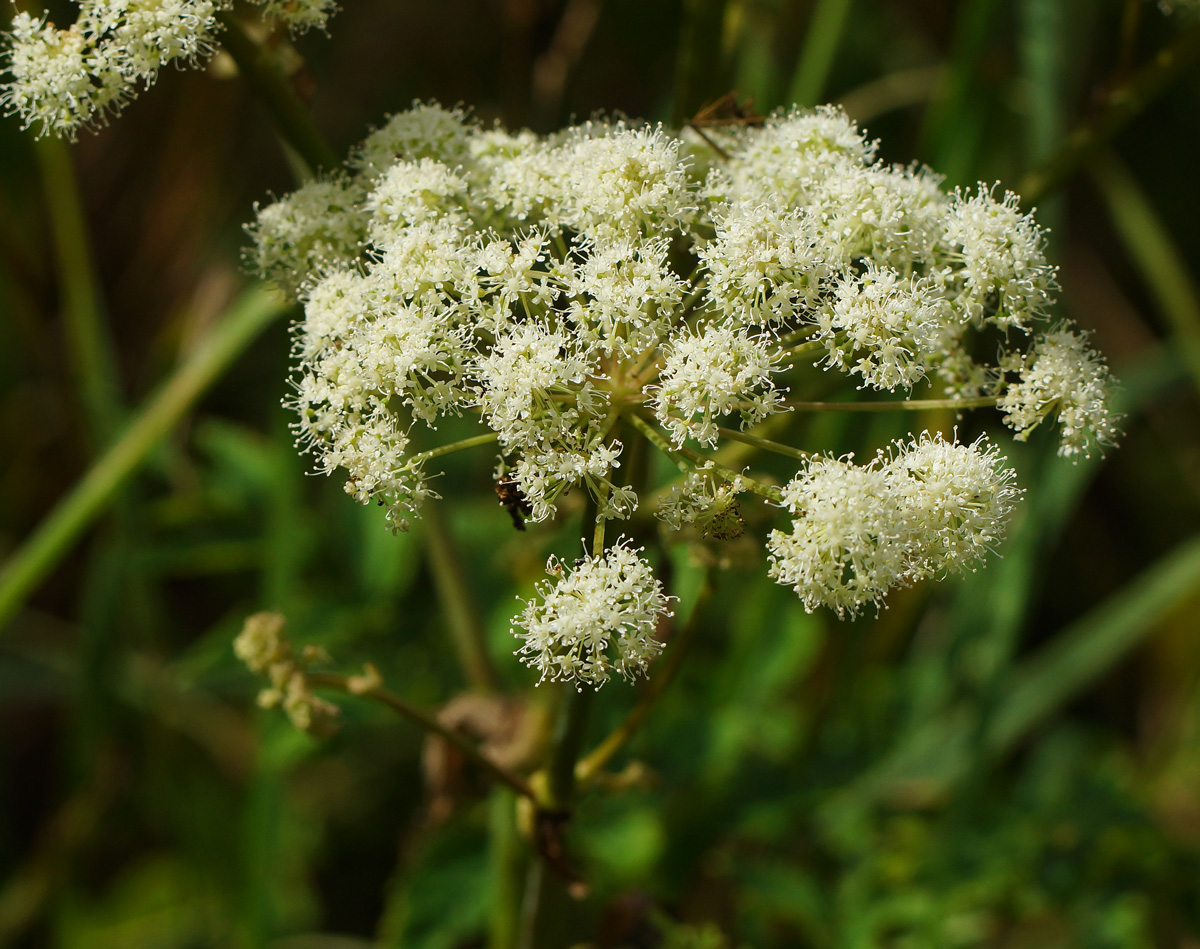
55	535
1155	253
1090	646
821	44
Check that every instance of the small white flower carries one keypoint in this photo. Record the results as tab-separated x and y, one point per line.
521	376
883	328
763	265
783	163
413	192
518	176
597	617
630	181
63	80
423	131
707	499
707	375
890	216
624	296
1003	277
52	86
933	508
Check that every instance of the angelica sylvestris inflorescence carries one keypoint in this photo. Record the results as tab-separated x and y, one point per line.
617	281
61	80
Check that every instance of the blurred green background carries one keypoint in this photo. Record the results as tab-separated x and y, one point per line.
1008	760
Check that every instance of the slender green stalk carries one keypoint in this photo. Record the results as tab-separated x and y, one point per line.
462	619
764	443
908	405
92	356
1122	104
473	442
423	719
808	346
259	67
1157	256
598	534
698	70
1131	16
59	530
595	761
796	337
821	44
659	441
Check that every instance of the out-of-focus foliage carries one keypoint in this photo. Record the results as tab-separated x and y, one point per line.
1012	760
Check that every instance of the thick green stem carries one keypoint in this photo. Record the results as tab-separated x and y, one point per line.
270	86
462	619
55	535
424	720
594	762
568	740
1121	106
507	865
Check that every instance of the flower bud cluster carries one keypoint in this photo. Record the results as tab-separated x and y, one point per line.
66	79
264	647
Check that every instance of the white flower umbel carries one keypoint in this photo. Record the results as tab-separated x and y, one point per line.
958	499
763	265
624	296
889	216
1064	377
317	227
423	131
575	293
52	73
934	507
708	500
788	159
413	193
625	180
1001	275
595	618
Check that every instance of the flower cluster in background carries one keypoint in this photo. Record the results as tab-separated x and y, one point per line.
62	80
617	280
